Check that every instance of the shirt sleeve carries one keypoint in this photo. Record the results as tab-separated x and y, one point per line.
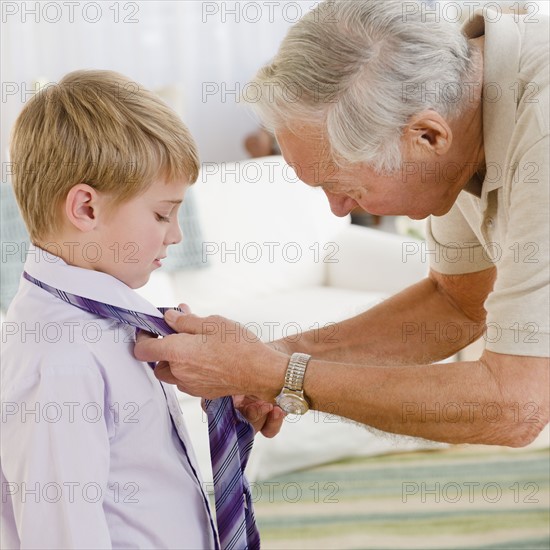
518	309
56	463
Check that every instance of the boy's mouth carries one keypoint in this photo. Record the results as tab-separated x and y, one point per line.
158	261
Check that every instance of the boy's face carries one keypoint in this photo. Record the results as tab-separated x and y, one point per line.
135	236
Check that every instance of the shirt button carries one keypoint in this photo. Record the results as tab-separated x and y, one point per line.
490	222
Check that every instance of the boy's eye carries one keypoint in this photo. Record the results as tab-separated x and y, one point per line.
162	218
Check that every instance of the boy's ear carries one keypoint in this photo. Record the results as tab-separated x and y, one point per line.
81	207
428	132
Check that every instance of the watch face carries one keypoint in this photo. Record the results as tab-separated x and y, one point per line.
292	404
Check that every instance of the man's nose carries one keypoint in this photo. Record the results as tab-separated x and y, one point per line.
341	205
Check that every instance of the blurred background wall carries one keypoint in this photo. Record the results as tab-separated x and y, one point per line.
198	54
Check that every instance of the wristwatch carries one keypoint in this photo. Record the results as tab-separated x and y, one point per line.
292	399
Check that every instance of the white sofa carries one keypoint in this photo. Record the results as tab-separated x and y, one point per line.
294	266
274	253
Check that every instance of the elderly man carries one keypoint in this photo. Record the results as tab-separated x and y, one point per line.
400	112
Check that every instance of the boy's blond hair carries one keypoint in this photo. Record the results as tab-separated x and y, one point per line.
98	128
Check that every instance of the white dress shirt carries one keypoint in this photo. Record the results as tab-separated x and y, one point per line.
89	455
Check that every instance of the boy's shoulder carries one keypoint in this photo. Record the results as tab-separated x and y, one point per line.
44	336
41	334
38	317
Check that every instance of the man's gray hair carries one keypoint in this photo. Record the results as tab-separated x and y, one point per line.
363	68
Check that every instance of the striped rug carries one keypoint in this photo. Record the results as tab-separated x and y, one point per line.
463	497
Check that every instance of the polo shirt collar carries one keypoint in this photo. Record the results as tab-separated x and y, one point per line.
501	67
54	271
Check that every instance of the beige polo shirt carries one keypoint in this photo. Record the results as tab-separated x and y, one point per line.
507	226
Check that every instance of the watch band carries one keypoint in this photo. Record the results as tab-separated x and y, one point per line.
294	377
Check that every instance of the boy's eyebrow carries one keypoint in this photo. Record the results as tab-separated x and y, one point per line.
172	202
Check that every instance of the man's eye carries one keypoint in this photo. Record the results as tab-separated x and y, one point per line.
162	218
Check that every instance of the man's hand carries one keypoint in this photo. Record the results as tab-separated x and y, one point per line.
214	357
265	417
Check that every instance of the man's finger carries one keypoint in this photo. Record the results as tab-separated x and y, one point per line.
273	422
144	335
184	322
152	349
256	412
163	372
185	308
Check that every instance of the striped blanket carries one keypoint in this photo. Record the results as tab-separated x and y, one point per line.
463	497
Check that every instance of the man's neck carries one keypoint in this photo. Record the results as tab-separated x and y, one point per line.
468	128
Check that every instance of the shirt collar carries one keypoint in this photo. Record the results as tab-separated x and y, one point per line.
500	73
52	270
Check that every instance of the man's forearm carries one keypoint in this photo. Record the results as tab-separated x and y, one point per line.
498	400
416	326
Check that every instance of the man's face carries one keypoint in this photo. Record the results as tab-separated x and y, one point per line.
417	190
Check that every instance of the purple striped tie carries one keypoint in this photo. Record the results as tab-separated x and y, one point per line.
231	436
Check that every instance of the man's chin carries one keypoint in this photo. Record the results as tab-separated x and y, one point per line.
423	214
442	211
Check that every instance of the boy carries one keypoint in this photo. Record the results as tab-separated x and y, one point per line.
94	451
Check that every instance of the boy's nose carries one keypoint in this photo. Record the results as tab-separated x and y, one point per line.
341	205
174	234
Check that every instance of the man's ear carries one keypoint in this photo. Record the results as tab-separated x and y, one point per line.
428	133
81	207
